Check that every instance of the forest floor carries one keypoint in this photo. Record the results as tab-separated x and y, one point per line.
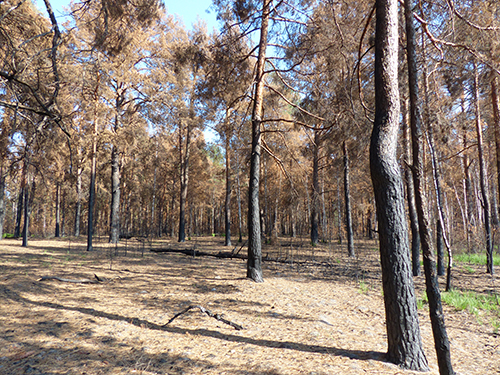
323	313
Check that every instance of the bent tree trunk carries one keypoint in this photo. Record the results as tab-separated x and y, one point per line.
441	342
347	196
403	331
254	262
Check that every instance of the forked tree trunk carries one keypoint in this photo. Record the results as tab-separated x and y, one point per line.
482	178
403	331
441	342
254	262
347	197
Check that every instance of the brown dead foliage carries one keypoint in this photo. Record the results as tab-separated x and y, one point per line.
318	312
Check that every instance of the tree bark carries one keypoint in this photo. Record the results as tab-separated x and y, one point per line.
482	178
90	218
20	204
58	211
78	206
496	125
2	199
315	191
403	331
114	219
254	262
28	202
240	239
410	192
441	342
227	203
184	179
347	197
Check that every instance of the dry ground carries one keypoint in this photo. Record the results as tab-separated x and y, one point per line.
321	317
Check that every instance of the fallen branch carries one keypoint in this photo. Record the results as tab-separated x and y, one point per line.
196	253
209	313
80	281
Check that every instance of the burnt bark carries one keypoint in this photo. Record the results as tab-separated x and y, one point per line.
347	198
482	178
441	342
254	262
403	331
2	199
315	191
496	125
227	203
114	217
57	233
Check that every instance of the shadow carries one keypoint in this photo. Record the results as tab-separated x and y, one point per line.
289	345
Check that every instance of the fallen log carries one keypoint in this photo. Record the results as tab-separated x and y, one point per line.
97	280
196	253
209	313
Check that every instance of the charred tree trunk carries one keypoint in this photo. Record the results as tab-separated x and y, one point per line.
2	199
90	218
238	198
315	191
184	179
20	203
403	331
58	211
496	125
254	263
28	202
78	207
347	197
227	203
114	217
441	342
410	192
482	178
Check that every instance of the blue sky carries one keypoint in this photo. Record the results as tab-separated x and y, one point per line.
188	10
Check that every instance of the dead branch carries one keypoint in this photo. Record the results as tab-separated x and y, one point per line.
79	281
209	313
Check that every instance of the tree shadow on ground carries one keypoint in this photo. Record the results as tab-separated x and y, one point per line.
348	353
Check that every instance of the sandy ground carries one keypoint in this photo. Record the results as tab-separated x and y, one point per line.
321	317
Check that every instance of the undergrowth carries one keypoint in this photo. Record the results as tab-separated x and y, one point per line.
479	259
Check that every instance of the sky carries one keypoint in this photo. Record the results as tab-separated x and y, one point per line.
187	10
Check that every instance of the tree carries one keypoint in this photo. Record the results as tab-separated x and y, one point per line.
403	332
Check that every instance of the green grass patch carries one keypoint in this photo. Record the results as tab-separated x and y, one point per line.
476	259
471	301
8	235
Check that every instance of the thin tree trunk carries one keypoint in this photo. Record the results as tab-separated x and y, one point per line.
90	219
339	213
403	331
2	199
78	208
254	262
410	192
482	178
347	197
20	203
315	191
114	219
496	126
58	211
184	179
227	203
441	342
240	225
28	202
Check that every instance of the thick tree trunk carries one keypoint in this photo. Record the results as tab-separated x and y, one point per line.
441	342
114	217
482	178
58	211
315	191
496	126
254	263
410	192
2	199
347	197
403	332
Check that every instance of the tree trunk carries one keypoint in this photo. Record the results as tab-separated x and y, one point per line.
28	202
441	342
114	217
240	239
410	192
347	197
2	199
58	211
482	178
339	213
254	262
496	126
90	219
78	208
20	203
227	203
403	331
315	191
